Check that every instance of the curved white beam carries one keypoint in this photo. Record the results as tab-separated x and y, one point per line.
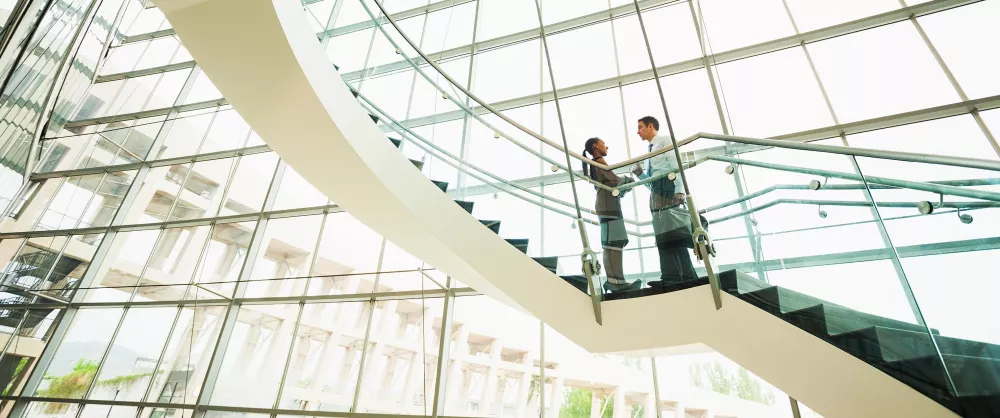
263	56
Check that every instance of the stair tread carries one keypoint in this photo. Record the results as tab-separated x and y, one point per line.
737	283
418	164
551	263
579	282
492	225
973	376
396	142
899	344
841	319
443	185
466	205
779	300
374	118
980	406
519	243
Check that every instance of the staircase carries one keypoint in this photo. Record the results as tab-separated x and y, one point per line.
550	263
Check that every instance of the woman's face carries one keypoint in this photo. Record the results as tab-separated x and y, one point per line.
600	148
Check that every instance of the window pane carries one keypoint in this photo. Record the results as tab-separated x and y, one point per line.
772	94
347	246
185	361
324	363
249	184
228	131
963	36
203	188
34	332
84	201
689	100
728	25
203	90
184	135
958	136
449	28
503	17
582	55
815	14
881	71
518	65
494	360
172	263
672	37
255	356
223	258
76	360
297	192
125	372
116	278
286	251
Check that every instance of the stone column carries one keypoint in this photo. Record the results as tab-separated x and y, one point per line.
596	400
490	380
556	397
247	349
455	381
277	352
621	410
524	385
414	381
652	409
679	410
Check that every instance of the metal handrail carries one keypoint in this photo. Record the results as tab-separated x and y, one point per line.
976	163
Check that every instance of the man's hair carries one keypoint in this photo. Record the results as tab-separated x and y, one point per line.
649	120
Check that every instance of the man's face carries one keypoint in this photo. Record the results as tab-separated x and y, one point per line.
646	132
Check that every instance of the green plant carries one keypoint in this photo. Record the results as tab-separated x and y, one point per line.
74	385
715	377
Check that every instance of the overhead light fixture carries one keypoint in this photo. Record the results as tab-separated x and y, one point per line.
730	169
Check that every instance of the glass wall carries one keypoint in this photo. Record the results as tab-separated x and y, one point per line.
179	266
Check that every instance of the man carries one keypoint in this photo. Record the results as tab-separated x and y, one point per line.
675	264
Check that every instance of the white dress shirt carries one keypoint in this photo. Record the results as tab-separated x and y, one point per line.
663	163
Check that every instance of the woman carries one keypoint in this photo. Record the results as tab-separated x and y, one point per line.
609	210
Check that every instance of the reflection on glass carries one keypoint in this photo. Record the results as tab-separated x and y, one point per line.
223	257
76	361
256	356
180	371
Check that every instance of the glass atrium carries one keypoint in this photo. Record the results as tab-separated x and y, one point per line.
161	261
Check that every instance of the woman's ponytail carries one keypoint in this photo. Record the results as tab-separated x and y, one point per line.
588	148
